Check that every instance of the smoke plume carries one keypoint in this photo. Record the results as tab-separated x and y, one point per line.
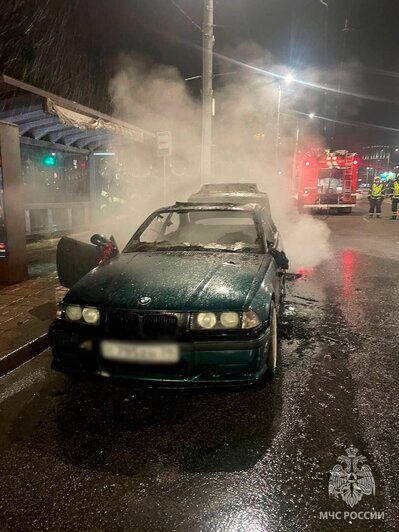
156	98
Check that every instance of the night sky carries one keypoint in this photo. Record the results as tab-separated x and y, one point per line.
71	46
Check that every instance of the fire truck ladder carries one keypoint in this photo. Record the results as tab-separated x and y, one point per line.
348	177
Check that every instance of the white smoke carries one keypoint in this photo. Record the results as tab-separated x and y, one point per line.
157	98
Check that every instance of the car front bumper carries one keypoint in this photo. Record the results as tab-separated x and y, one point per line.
200	362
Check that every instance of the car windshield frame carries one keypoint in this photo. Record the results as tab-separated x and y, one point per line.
134	245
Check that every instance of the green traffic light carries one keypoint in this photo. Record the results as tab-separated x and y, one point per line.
49	160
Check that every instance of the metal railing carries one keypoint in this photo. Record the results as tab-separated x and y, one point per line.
48	218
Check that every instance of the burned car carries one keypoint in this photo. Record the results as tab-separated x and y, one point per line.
193	298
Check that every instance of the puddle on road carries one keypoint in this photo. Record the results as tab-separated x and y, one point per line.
308	324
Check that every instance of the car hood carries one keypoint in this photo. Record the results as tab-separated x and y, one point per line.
180	281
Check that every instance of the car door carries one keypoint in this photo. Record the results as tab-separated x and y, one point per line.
75	259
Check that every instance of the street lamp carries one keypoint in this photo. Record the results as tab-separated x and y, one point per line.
289	78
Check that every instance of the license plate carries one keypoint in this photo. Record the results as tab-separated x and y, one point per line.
140	353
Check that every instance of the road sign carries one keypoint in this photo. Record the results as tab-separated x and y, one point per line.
164	143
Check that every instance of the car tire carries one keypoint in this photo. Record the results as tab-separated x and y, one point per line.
272	352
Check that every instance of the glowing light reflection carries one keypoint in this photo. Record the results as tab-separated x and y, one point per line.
304	272
349	265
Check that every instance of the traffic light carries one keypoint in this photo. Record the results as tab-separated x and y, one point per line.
49	160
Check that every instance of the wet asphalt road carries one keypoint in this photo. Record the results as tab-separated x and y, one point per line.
94	456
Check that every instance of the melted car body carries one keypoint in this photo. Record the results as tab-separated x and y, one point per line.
190	300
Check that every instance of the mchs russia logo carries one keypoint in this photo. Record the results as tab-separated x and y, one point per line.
352	478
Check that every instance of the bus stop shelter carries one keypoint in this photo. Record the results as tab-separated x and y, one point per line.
32	117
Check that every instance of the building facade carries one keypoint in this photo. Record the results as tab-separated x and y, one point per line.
379	160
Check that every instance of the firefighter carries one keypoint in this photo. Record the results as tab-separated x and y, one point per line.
395	198
376	197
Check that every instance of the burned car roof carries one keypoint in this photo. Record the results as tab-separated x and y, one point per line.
231	193
209	206
229	188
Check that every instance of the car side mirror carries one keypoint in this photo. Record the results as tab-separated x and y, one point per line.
109	249
99	240
280	257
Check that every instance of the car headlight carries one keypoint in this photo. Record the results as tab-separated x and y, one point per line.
73	312
225	320
250	320
206	320
91	315
76	313
230	320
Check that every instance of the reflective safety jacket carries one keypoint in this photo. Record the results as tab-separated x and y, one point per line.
395	191
376	190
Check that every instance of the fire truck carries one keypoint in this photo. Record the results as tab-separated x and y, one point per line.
327	180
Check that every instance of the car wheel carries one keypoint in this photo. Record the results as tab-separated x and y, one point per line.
272	353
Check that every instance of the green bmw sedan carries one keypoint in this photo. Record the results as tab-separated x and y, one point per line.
192	299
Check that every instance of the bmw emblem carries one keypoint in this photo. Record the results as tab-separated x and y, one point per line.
144	300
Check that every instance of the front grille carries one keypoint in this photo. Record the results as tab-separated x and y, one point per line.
129	325
123	323
159	325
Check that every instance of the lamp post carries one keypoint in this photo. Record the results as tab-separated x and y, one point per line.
287	79
326	24
208	42
278	127
296	149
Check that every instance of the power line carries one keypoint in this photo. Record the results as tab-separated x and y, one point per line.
351	123
186	15
275	75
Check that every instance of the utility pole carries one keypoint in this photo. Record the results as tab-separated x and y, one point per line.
326	59
208	42
278	128
295	158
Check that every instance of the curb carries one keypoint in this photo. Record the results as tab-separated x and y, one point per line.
21	355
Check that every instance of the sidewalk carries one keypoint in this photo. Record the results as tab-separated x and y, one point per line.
26	311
